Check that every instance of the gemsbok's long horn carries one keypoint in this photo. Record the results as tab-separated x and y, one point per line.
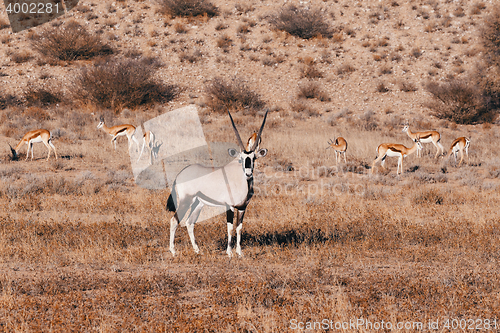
256	143
240	143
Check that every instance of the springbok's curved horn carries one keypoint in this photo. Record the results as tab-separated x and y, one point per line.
13	151
240	143
256	143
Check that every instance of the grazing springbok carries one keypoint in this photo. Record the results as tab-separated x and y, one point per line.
148	140
458	146
230	186
119	130
426	137
251	141
395	150
39	135
339	146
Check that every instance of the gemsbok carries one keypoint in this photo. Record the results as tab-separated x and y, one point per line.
119	130
395	150
149	140
230	186
39	135
339	146
459	145
426	137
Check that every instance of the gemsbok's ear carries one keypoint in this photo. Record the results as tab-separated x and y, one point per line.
261	153
232	152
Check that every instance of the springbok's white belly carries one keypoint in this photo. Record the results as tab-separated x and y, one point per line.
37	139
391	153
426	140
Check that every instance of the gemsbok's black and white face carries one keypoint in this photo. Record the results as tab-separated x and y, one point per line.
247	159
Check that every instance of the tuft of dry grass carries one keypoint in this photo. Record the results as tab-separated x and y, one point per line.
312	90
20	56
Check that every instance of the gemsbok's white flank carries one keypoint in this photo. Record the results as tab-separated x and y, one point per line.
426	137
119	130
459	145
149	140
230	186
39	135
395	150
339	146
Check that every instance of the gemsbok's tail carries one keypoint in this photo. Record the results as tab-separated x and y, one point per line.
172	199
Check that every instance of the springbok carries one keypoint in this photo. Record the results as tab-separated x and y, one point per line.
149	140
458	146
395	150
339	146
230	186
39	135
251	141
119	130
426	137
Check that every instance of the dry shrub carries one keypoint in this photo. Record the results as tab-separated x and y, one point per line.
273	61
367	121
188	8
180	28
459	101
303	110
243	28
407	86
431	196
71	42
345	69
119	83
224	42
309	69
301	22
385	69
416	52
490	35
381	88
41	95
8	100
191	57
20	56
312	90
232	94
4	24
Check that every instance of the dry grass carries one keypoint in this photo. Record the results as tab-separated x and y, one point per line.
106	264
